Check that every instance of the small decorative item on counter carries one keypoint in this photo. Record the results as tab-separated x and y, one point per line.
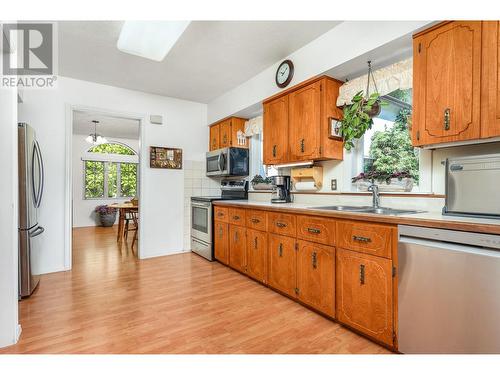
397	181
261	183
107	215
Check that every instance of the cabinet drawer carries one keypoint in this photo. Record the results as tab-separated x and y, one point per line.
237	216
221	214
374	239
284	224
316	229
256	220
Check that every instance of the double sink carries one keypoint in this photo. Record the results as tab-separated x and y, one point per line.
368	210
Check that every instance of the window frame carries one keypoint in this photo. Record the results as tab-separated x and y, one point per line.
106	180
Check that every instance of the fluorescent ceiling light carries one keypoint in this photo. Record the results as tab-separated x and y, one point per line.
150	39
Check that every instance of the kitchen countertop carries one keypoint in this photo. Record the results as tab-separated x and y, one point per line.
423	219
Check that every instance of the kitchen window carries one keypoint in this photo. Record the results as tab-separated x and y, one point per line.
110	171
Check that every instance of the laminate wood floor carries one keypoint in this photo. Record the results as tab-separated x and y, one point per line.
113	303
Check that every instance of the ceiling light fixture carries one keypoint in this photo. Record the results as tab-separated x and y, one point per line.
95	138
150	39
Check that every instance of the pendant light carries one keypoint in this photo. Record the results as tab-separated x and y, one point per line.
94	138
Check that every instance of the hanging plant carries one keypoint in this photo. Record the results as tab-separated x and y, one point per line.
358	116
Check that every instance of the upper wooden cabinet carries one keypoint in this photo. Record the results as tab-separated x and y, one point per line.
296	123
225	133
490	80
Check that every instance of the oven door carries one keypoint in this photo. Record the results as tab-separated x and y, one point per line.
217	163
201	221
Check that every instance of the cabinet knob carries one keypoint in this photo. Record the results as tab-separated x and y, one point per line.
255	243
274	151
447	113
236	217
255	220
362	239
280	249
302	145
280	225
314	230
314	260
362	274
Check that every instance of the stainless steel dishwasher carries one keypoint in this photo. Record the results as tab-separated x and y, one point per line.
448	291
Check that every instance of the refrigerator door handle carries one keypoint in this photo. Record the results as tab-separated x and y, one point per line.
41	180
38	231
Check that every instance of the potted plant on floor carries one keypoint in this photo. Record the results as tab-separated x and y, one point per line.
107	215
261	183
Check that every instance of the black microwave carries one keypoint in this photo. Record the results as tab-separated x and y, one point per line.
229	161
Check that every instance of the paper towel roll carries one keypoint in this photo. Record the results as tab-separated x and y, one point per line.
305	185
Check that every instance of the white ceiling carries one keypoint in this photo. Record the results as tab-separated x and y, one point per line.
209	59
109	127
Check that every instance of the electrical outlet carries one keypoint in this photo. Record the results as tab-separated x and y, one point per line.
334	184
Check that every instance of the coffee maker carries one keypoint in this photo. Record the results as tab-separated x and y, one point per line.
281	193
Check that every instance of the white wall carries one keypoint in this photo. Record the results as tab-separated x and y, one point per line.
83	209
162	190
343	43
8	218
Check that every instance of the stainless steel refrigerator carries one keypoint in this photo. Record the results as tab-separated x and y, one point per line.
31	183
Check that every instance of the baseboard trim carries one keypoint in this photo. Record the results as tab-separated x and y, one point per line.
162	254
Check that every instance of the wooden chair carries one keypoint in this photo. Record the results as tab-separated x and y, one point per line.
132	215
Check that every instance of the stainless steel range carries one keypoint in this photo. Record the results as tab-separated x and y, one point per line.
202	213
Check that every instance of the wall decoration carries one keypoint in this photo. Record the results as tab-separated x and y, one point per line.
334	128
165	157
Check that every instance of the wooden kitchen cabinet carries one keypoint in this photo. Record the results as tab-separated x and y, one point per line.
490	80
225	134
364	294
316	276
257	255
237	248
369	238
214	137
221	242
275	130
282	270
447	83
296	123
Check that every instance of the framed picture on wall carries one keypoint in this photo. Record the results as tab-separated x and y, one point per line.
334	128
165	157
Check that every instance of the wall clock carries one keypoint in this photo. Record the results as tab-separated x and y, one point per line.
284	74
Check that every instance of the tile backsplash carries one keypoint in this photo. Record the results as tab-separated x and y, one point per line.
196	183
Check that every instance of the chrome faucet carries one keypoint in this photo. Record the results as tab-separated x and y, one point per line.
376	197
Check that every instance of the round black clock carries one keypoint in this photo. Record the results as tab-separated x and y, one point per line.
284	74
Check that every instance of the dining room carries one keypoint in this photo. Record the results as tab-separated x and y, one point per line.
105	179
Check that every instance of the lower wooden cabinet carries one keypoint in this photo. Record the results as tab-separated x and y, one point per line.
282	264
316	276
237	247
364	294
256	266
221	242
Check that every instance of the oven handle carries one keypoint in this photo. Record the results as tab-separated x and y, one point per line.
201	205
218	162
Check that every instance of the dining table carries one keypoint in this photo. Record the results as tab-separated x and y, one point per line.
123	208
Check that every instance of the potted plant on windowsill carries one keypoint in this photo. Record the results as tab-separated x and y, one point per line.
261	183
396	181
107	215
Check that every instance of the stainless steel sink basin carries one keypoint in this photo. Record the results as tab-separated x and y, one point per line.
368	210
343	208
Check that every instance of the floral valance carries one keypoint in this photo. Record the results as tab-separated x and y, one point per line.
387	79
254	126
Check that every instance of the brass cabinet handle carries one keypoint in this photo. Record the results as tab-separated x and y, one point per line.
220	214
235	236
236	217
254	220
280	249
302	145
274	151
362	239
280	225
362	274
314	230
224	139
220	231
447	113
255	243
314	260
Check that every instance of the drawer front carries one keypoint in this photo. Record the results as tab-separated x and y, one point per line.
221	214
256	220
237	216
374	239
316	229
283	224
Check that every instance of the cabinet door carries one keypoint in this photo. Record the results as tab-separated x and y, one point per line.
214	137
237	244
275	137
490	80
238	124
316	276
364	294
225	134
221	242
257	255
304	122
447	83
282	264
